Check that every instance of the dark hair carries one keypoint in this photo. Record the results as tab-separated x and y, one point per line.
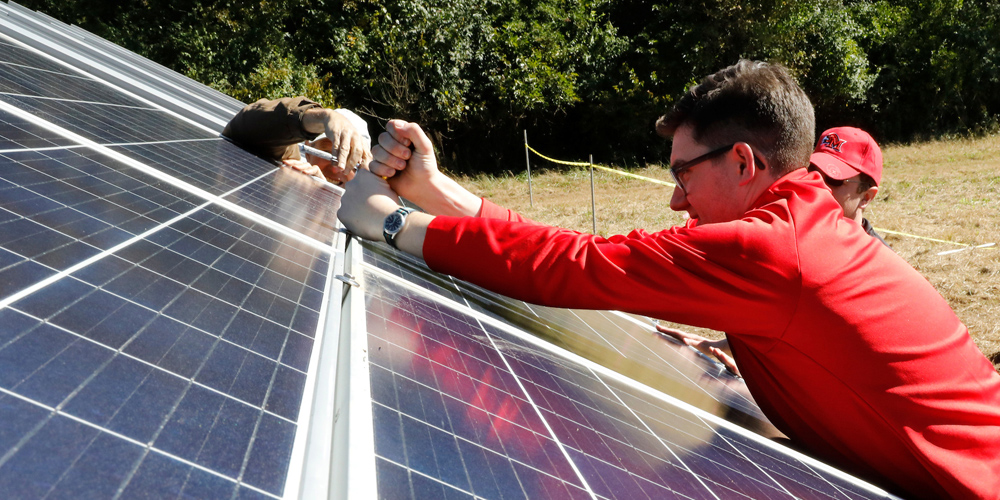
865	182
753	102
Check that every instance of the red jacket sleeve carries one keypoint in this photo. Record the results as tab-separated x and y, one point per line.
491	210
687	275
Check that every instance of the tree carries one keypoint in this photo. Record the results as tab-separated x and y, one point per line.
586	76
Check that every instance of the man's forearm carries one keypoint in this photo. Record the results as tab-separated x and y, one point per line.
444	196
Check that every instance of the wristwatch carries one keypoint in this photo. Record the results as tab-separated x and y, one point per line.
394	223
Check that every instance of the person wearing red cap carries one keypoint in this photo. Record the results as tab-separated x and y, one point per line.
851	163
846	348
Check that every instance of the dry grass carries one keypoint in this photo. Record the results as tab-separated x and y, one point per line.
946	190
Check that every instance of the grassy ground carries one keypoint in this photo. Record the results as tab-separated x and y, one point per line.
947	190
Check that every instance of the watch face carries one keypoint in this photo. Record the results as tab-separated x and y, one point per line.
394	223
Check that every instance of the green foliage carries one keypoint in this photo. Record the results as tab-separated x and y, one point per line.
280	76
584	76
940	63
471	71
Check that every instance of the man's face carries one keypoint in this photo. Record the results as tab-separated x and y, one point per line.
847	195
711	188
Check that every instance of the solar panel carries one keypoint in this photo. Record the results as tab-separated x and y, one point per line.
179	318
467	405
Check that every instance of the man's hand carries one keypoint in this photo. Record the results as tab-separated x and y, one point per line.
393	157
367	201
303	166
718	349
342	140
413	172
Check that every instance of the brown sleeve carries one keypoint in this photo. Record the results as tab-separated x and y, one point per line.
271	128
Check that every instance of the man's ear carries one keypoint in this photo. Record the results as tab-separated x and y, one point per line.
867	197
748	164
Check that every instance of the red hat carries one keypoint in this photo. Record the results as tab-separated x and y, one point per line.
844	152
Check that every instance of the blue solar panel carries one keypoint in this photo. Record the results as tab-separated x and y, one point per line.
205	362
215	165
466	407
176	364
292	199
49	83
17	134
15	55
60	207
107	123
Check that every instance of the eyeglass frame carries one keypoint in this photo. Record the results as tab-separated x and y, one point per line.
676	172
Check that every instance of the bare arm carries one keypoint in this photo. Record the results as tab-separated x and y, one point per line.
367	201
369	198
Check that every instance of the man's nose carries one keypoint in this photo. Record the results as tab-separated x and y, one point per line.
678	200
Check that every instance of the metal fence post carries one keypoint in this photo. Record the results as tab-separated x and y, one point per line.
527	161
593	202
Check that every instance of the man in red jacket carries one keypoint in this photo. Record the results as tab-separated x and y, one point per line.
846	348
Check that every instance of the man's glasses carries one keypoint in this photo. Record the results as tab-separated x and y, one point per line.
679	168
834	183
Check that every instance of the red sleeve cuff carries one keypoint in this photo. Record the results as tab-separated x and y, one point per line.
440	241
490	210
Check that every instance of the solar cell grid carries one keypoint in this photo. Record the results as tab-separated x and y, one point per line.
14	54
440	376
294	200
215	165
17	79
145	345
453	407
110	124
410	269
60	207
16	134
601	336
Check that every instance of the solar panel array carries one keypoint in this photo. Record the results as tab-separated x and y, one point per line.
179	318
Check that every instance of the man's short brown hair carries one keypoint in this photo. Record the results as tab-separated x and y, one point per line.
753	102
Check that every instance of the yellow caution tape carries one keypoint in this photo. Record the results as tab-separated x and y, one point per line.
609	169
920	237
627	174
553	160
657	181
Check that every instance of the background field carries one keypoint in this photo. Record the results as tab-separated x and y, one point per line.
946	190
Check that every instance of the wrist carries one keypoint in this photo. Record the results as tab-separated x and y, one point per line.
314	120
411	238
